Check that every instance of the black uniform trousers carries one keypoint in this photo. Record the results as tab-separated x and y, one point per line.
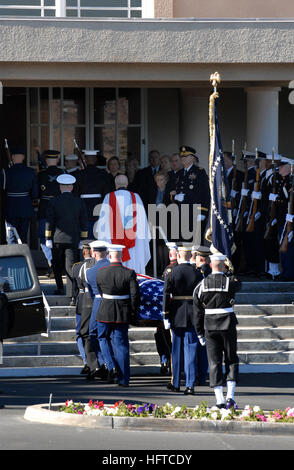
64	256
219	342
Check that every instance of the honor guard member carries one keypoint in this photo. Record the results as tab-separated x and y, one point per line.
66	226
21	187
92	185
77	300
48	189
178	315
200	259
70	163
215	321
192	188
162	335
120	292
99	254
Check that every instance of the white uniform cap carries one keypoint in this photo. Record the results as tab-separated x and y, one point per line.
276	157
218	257
171	246
184	248
90	152
66	179
116	247
99	244
71	157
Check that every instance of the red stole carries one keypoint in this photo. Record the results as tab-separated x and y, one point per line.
120	236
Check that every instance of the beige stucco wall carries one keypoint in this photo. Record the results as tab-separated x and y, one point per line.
231	9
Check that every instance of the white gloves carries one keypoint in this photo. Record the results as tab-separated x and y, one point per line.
256	195
179	197
234	193
289	218
202	340
49	244
273	197
244	192
166	324
257	216
80	245
200	217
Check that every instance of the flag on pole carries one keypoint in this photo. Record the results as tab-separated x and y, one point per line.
220	232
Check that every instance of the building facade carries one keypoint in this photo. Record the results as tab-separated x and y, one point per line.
128	76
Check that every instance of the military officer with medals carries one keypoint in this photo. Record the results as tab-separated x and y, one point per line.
92	185
178	315
66	226
120	292
21	187
192	188
48	189
215	321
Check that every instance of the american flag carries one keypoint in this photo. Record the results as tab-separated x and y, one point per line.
151	290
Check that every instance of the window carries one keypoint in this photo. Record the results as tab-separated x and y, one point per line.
27	8
104	8
15	272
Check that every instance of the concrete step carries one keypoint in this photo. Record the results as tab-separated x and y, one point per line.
259	298
272	321
259	333
285	309
267	286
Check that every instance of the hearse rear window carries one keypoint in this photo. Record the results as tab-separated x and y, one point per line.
15	272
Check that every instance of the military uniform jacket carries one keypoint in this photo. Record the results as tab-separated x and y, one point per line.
117	280
178	295
213	301
195	187
168	269
89	182
21	186
48	188
66	220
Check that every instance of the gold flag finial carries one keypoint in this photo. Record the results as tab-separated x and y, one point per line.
215	80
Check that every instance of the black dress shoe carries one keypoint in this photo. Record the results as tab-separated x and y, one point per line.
59	292
221	405
102	372
164	369
171	388
72	302
189	391
122	385
85	370
112	377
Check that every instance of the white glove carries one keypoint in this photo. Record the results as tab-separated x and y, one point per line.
80	245
202	340
49	244
179	197
166	324
274	222
257	216
244	192
256	195
273	197
234	193
200	217
289	218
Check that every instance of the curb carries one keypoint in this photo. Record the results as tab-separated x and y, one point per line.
41	414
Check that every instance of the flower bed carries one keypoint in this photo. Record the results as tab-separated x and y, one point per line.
169	411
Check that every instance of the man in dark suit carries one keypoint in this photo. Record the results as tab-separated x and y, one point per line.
66	226
144	180
120	292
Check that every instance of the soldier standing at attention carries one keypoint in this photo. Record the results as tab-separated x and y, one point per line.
20	184
178	315
120	292
48	189
213	303
66	226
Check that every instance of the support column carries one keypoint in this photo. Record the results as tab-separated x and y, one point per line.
194	123
263	119
60	8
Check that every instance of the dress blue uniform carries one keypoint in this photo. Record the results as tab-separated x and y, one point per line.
20	184
90	277
178	309
78	292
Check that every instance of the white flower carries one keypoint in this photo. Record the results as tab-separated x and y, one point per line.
247	407
214	408
256	409
175	410
214	415
225	413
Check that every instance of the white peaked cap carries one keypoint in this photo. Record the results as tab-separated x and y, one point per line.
65	179
171	245
99	244
116	247
218	257
71	157
90	152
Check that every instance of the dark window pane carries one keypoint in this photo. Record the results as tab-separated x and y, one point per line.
49	3
21	3
44	106
136	14
104	3
16	273
104	140
49	12
71	133
105	13
19	12
129	142
71	12
136	3
129	106
34	105
104	106
71	3
74	106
